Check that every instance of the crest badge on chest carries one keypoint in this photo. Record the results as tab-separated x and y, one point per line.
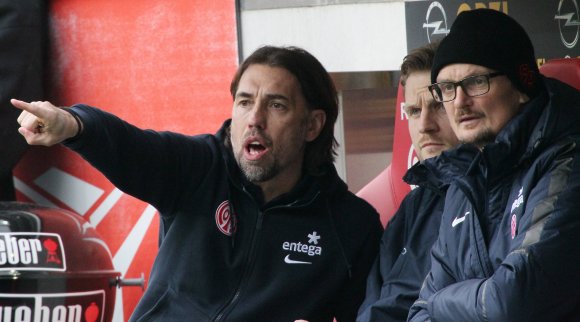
225	219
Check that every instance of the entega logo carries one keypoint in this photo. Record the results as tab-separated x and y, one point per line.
435	20
31	252
309	249
519	200
514	219
568	22
69	307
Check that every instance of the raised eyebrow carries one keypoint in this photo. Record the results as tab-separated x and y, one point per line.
243	95
271	97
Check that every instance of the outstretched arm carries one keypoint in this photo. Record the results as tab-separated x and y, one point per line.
42	123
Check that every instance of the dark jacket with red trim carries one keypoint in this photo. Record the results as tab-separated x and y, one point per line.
224	255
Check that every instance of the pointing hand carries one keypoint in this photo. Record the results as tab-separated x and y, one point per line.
42	123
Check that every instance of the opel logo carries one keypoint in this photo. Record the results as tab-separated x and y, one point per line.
435	22
568	23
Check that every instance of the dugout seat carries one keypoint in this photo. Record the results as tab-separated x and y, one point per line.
386	191
566	70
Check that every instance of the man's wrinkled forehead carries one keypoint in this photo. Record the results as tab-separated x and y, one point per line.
419	97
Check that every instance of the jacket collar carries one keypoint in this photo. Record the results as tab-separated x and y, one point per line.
307	188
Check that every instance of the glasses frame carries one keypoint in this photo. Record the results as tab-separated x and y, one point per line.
436	91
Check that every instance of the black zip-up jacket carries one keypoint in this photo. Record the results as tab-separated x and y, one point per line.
223	254
404	256
509	242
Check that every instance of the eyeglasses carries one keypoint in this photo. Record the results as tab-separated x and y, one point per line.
472	86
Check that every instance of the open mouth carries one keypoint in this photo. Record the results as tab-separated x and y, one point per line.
254	149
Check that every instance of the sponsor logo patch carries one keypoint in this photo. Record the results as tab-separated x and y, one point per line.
514	219
31	252
310	248
69	307
519	200
458	220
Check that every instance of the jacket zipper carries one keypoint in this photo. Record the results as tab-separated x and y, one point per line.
247	270
251	256
475	217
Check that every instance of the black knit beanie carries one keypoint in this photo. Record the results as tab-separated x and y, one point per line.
494	40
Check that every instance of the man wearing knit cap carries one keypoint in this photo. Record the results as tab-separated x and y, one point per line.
509	242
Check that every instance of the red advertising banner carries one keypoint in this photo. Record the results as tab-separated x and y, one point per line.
164	65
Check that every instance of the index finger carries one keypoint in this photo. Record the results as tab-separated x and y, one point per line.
31	108
21	104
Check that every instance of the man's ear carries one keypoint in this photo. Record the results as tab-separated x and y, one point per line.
316	121
523	98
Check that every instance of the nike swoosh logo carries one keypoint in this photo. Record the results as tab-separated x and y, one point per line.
459	220
287	260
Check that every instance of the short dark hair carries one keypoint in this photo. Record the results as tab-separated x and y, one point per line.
418	60
317	88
